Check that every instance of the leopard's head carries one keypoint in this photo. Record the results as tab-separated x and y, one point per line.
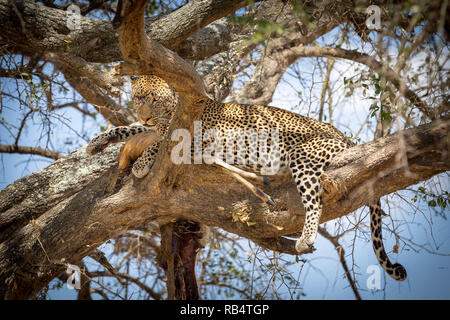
154	99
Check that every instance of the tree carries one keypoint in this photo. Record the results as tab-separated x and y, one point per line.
62	213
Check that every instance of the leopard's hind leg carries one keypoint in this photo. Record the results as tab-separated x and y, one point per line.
307	162
309	187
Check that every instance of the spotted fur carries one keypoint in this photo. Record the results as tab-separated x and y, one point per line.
305	148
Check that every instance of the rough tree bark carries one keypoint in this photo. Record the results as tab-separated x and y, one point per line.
180	242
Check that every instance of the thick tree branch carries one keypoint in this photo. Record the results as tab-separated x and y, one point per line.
67	201
212	39
88	70
192	17
109	109
150	57
96	40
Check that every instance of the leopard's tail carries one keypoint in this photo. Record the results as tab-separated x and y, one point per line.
395	270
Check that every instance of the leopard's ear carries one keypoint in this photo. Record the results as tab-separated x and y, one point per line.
134	78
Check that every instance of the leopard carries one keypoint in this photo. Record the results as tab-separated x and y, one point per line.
157	118
304	148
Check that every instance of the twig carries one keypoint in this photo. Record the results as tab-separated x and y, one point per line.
30	150
340	250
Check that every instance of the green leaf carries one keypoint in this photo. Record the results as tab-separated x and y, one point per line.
377	88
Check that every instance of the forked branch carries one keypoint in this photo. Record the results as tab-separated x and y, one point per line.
150	57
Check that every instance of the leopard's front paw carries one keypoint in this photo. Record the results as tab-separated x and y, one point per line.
100	142
139	170
96	145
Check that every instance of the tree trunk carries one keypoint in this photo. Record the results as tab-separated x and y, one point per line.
180	242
